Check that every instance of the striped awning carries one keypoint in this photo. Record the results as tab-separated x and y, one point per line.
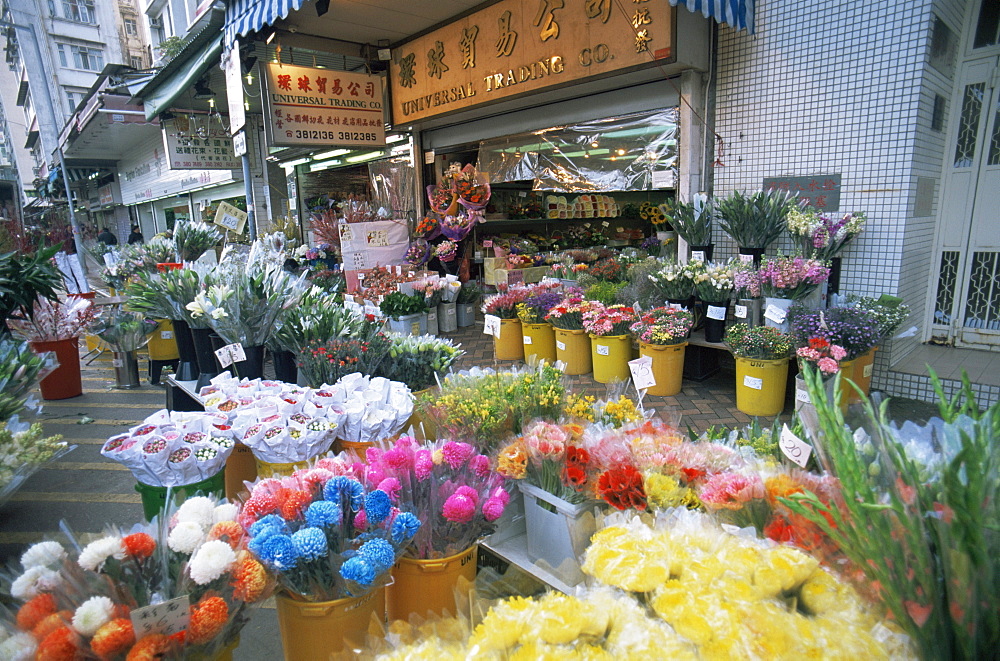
246	16
735	13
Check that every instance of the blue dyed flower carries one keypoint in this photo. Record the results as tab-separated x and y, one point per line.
310	543
404	527
269	520
263	534
358	570
279	552
377	505
340	485
323	514
379	553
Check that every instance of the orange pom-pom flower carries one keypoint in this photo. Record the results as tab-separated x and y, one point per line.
50	623
249	579
208	617
150	648
228	531
58	645
139	545
113	638
35	610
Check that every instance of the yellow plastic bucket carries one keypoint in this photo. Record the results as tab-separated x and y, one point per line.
340	445
539	341
573	348
313	630
610	355
422	586
162	345
864	366
268	469
760	385
240	468
224	654
668	367
509	346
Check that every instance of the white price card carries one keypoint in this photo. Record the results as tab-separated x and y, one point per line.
794	447
522	193
603	350
642	372
491	325
740	311
231	353
605	223
716	312
753	382
675	306
802	396
527	339
746	259
698	255
428	157
867	371
166	335
167	618
450	312
560	345
775	314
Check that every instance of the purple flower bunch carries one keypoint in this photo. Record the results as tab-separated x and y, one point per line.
854	329
746	281
792	277
534	308
418	253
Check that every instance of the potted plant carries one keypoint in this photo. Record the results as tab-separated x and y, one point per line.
163	296
24	278
713	284
662	334
468	296
693	222
754	221
539	336
56	326
124	333
508	344
762	354
572	343
193	238
785	280
405	312
610	343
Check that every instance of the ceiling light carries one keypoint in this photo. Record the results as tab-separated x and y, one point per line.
292	164
364	157
326	165
621	152
330	154
594	143
249	79
395	137
271	37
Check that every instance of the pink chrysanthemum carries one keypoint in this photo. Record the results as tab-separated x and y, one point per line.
458	508
457	453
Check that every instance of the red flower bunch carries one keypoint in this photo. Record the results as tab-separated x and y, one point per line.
621	487
426	227
577	463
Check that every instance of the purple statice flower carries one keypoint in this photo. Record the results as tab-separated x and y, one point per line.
854	329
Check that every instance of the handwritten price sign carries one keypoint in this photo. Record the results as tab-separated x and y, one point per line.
642	372
166	618
231	353
794	447
491	325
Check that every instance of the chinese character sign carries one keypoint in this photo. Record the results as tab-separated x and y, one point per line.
822	191
307	106
198	142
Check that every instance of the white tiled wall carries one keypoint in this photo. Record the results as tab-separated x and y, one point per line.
843	88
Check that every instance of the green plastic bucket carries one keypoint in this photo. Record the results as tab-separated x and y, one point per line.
154	499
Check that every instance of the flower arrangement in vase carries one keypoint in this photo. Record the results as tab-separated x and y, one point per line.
853	329
759	342
823	236
792	277
51	321
446	251
673	281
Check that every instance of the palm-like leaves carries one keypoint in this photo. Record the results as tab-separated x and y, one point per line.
755	220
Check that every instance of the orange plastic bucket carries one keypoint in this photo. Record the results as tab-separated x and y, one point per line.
63	382
422	586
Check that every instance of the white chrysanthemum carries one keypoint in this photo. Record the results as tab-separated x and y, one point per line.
224	512
93	614
31	582
43	554
95	553
198	509
19	647
213	559
185	537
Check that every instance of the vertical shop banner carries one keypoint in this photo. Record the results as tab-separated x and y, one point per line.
322	107
234	90
367	245
198	142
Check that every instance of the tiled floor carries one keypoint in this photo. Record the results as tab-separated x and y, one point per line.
948	362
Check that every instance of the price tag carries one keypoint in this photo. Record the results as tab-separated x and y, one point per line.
716	312
605	224
231	353
522	193
166	335
642	372
117	362
491	325
361	277
698	255
166	618
488	243
802	396
450	312
399	268
586	225
675	306
753	382
428	157
603	350
867	371
527	339
740	311
746	259
560	345
619	229
775	314
794	447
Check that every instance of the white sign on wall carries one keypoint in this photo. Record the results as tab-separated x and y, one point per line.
145	174
367	245
198	142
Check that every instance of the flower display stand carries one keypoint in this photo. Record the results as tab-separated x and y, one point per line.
420	587
313	630
760	385
558	532
610	355
668	367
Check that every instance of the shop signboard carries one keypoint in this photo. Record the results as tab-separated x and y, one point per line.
515	47
230	217
198	142
821	192
105	195
306	106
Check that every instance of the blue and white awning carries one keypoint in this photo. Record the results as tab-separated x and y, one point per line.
246	16
735	13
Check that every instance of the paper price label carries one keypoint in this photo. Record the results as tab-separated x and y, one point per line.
450	312
399	268
676	306
794	447
491	325
361	277
231	353
428	157
867	371
560	345
527	339
775	314
740	311
746	259
716	312
753	382
603	350
698	255
802	396
166	335
166	618
605	224
522	194
586	224
619	229
487	243
117	362
642	372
